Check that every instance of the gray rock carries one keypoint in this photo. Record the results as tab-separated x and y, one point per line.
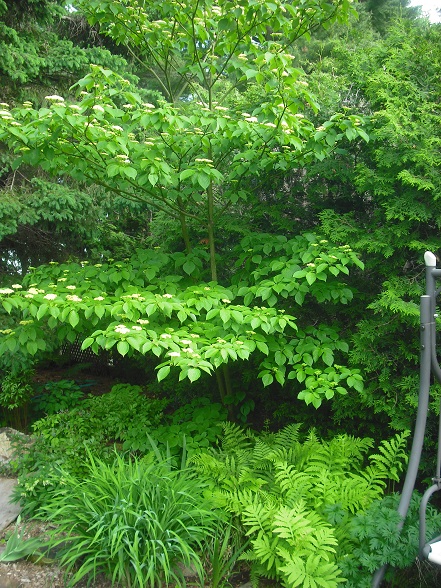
6	449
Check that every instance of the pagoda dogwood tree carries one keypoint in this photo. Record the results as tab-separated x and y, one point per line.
193	154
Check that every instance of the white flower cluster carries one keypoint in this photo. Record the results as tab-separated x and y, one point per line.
122	329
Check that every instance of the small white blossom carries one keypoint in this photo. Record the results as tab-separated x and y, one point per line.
185	342
226	300
136	328
174	354
50	296
6	291
73	298
122	329
166	336
71	287
18	286
98	108
99	298
55	98
167	295
143	321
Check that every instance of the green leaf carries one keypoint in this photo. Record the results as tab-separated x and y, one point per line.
87	343
263	347
12	344
224	315
189	267
74	319
187	173
267	379
7	306
193	374
130	172
123	347
328	357
163	372
203	180
42	311
32	347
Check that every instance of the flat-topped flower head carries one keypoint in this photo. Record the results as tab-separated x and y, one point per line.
122	329
73	298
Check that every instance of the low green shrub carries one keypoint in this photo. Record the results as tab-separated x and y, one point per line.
135	520
376	541
199	422
57	396
61	440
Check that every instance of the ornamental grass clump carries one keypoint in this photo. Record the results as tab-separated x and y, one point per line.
135	520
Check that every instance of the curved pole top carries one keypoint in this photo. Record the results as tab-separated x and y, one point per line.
429	259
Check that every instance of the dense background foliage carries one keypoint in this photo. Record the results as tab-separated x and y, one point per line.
219	201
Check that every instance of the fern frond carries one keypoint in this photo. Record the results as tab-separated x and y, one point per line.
234	438
371	482
291	482
261	455
392	456
265	548
293	524
312	573
288	435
